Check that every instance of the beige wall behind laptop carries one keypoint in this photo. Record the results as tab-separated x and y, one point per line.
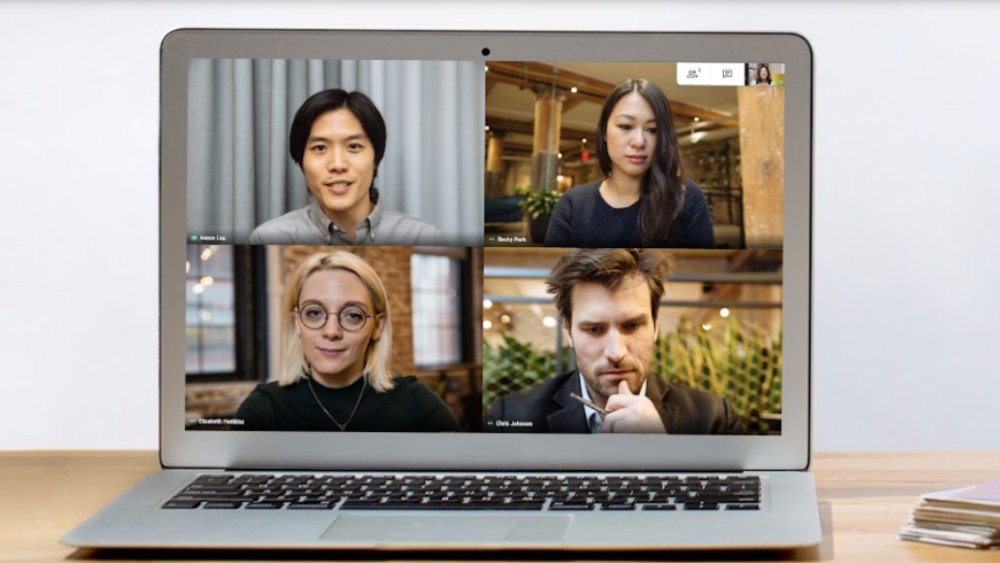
907	193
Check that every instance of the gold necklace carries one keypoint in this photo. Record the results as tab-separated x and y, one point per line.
342	427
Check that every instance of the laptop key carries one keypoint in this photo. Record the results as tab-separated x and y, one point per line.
571	506
264	505
618	506
213	488
360	504
210	479
310	505
216	499
527	505
217	504
182	504
701	506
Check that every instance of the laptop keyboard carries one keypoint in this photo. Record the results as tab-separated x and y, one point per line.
468	492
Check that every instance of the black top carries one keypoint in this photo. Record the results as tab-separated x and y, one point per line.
583	219
410	406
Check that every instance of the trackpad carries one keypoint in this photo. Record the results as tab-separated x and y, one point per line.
422	528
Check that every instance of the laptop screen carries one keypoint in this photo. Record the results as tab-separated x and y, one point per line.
484	246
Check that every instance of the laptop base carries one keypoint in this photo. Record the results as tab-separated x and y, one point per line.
788	518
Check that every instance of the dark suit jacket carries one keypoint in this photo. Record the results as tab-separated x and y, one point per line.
549	408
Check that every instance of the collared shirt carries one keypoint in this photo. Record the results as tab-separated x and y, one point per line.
309	225
594	419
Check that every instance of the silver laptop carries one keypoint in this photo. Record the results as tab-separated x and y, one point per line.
378	325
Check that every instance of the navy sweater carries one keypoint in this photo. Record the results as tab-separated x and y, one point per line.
583	219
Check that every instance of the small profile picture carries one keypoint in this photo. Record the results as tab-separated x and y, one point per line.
765	74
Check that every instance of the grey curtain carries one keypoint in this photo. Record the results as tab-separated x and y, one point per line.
240	110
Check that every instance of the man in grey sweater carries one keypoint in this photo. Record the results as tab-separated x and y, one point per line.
338	140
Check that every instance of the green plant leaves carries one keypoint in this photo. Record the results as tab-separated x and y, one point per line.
743	366
539	203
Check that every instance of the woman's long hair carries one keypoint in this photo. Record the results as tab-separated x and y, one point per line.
661	190
763	66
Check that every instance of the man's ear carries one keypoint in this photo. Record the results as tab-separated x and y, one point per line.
566	331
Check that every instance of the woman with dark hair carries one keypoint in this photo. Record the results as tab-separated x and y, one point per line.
763	75
643	201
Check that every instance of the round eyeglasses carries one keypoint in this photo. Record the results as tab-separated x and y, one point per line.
351	318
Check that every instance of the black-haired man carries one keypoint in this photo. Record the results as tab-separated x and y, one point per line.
338	139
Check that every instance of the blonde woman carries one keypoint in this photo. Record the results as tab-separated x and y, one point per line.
335	355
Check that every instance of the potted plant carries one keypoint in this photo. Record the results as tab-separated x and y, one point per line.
537	207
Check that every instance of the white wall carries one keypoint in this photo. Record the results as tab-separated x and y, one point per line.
907	112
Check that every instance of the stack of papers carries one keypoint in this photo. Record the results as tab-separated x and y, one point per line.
966	517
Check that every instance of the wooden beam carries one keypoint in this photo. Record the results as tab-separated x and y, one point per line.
593	90
751	260
686	111
571	102
528	128
527	74
575	134
762	143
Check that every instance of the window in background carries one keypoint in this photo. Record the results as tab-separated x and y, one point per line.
210	319
436	283
224	293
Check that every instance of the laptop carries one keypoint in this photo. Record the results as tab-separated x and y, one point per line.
465	135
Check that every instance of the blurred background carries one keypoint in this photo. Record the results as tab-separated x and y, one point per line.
541	140
235	323
720	327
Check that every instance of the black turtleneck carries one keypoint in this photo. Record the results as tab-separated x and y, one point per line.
410	406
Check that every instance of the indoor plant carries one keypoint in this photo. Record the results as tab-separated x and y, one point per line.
537	207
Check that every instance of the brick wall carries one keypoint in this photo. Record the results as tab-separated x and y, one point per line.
215	399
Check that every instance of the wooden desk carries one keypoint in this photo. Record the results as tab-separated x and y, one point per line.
864	499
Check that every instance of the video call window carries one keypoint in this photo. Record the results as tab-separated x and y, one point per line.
401	160
338	321
545	182
720	333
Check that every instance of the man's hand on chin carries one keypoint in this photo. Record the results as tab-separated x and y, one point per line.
631	413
